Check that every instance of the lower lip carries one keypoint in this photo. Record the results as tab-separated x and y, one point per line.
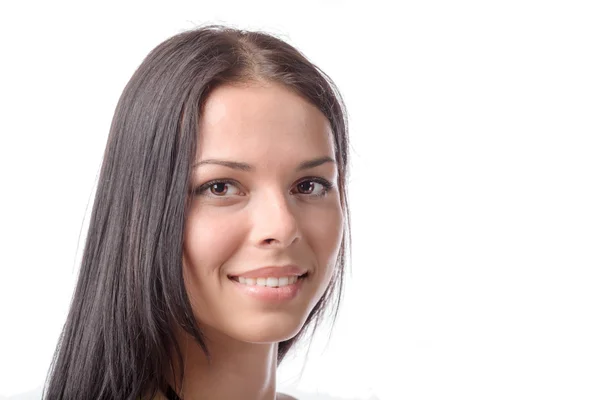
271	294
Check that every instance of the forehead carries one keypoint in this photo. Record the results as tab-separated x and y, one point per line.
257	122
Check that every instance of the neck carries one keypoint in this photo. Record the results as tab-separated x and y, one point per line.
237	370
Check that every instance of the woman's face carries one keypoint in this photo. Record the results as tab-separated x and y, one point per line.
272	153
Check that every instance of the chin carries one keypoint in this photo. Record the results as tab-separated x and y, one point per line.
268	328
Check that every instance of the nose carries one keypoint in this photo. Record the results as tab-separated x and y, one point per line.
275	224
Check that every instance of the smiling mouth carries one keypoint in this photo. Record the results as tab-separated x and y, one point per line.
269	281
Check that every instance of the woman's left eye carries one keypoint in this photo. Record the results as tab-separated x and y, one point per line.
308	186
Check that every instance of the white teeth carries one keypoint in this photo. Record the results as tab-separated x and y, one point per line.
269	281
272	282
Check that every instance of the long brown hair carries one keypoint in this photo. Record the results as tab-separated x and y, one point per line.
129	294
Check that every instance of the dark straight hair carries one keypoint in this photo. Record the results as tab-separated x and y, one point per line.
118	339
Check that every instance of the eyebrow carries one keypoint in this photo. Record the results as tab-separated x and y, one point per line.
247	167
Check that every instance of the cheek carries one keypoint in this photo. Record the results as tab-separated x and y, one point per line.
209	241
327	232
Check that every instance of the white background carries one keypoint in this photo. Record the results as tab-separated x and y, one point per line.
475	189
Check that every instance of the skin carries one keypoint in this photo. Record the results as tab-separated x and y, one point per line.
270	216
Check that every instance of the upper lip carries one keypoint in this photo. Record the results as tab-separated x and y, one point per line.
274	271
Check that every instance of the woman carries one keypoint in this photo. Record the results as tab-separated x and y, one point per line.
220	227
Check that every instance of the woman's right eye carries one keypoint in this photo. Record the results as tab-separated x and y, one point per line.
217	188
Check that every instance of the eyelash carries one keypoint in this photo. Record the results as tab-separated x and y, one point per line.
327	186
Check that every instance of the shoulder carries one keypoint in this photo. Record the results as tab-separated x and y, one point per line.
158	396
280	396
283	396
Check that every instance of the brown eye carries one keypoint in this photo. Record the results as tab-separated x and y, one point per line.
218	188
306	187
